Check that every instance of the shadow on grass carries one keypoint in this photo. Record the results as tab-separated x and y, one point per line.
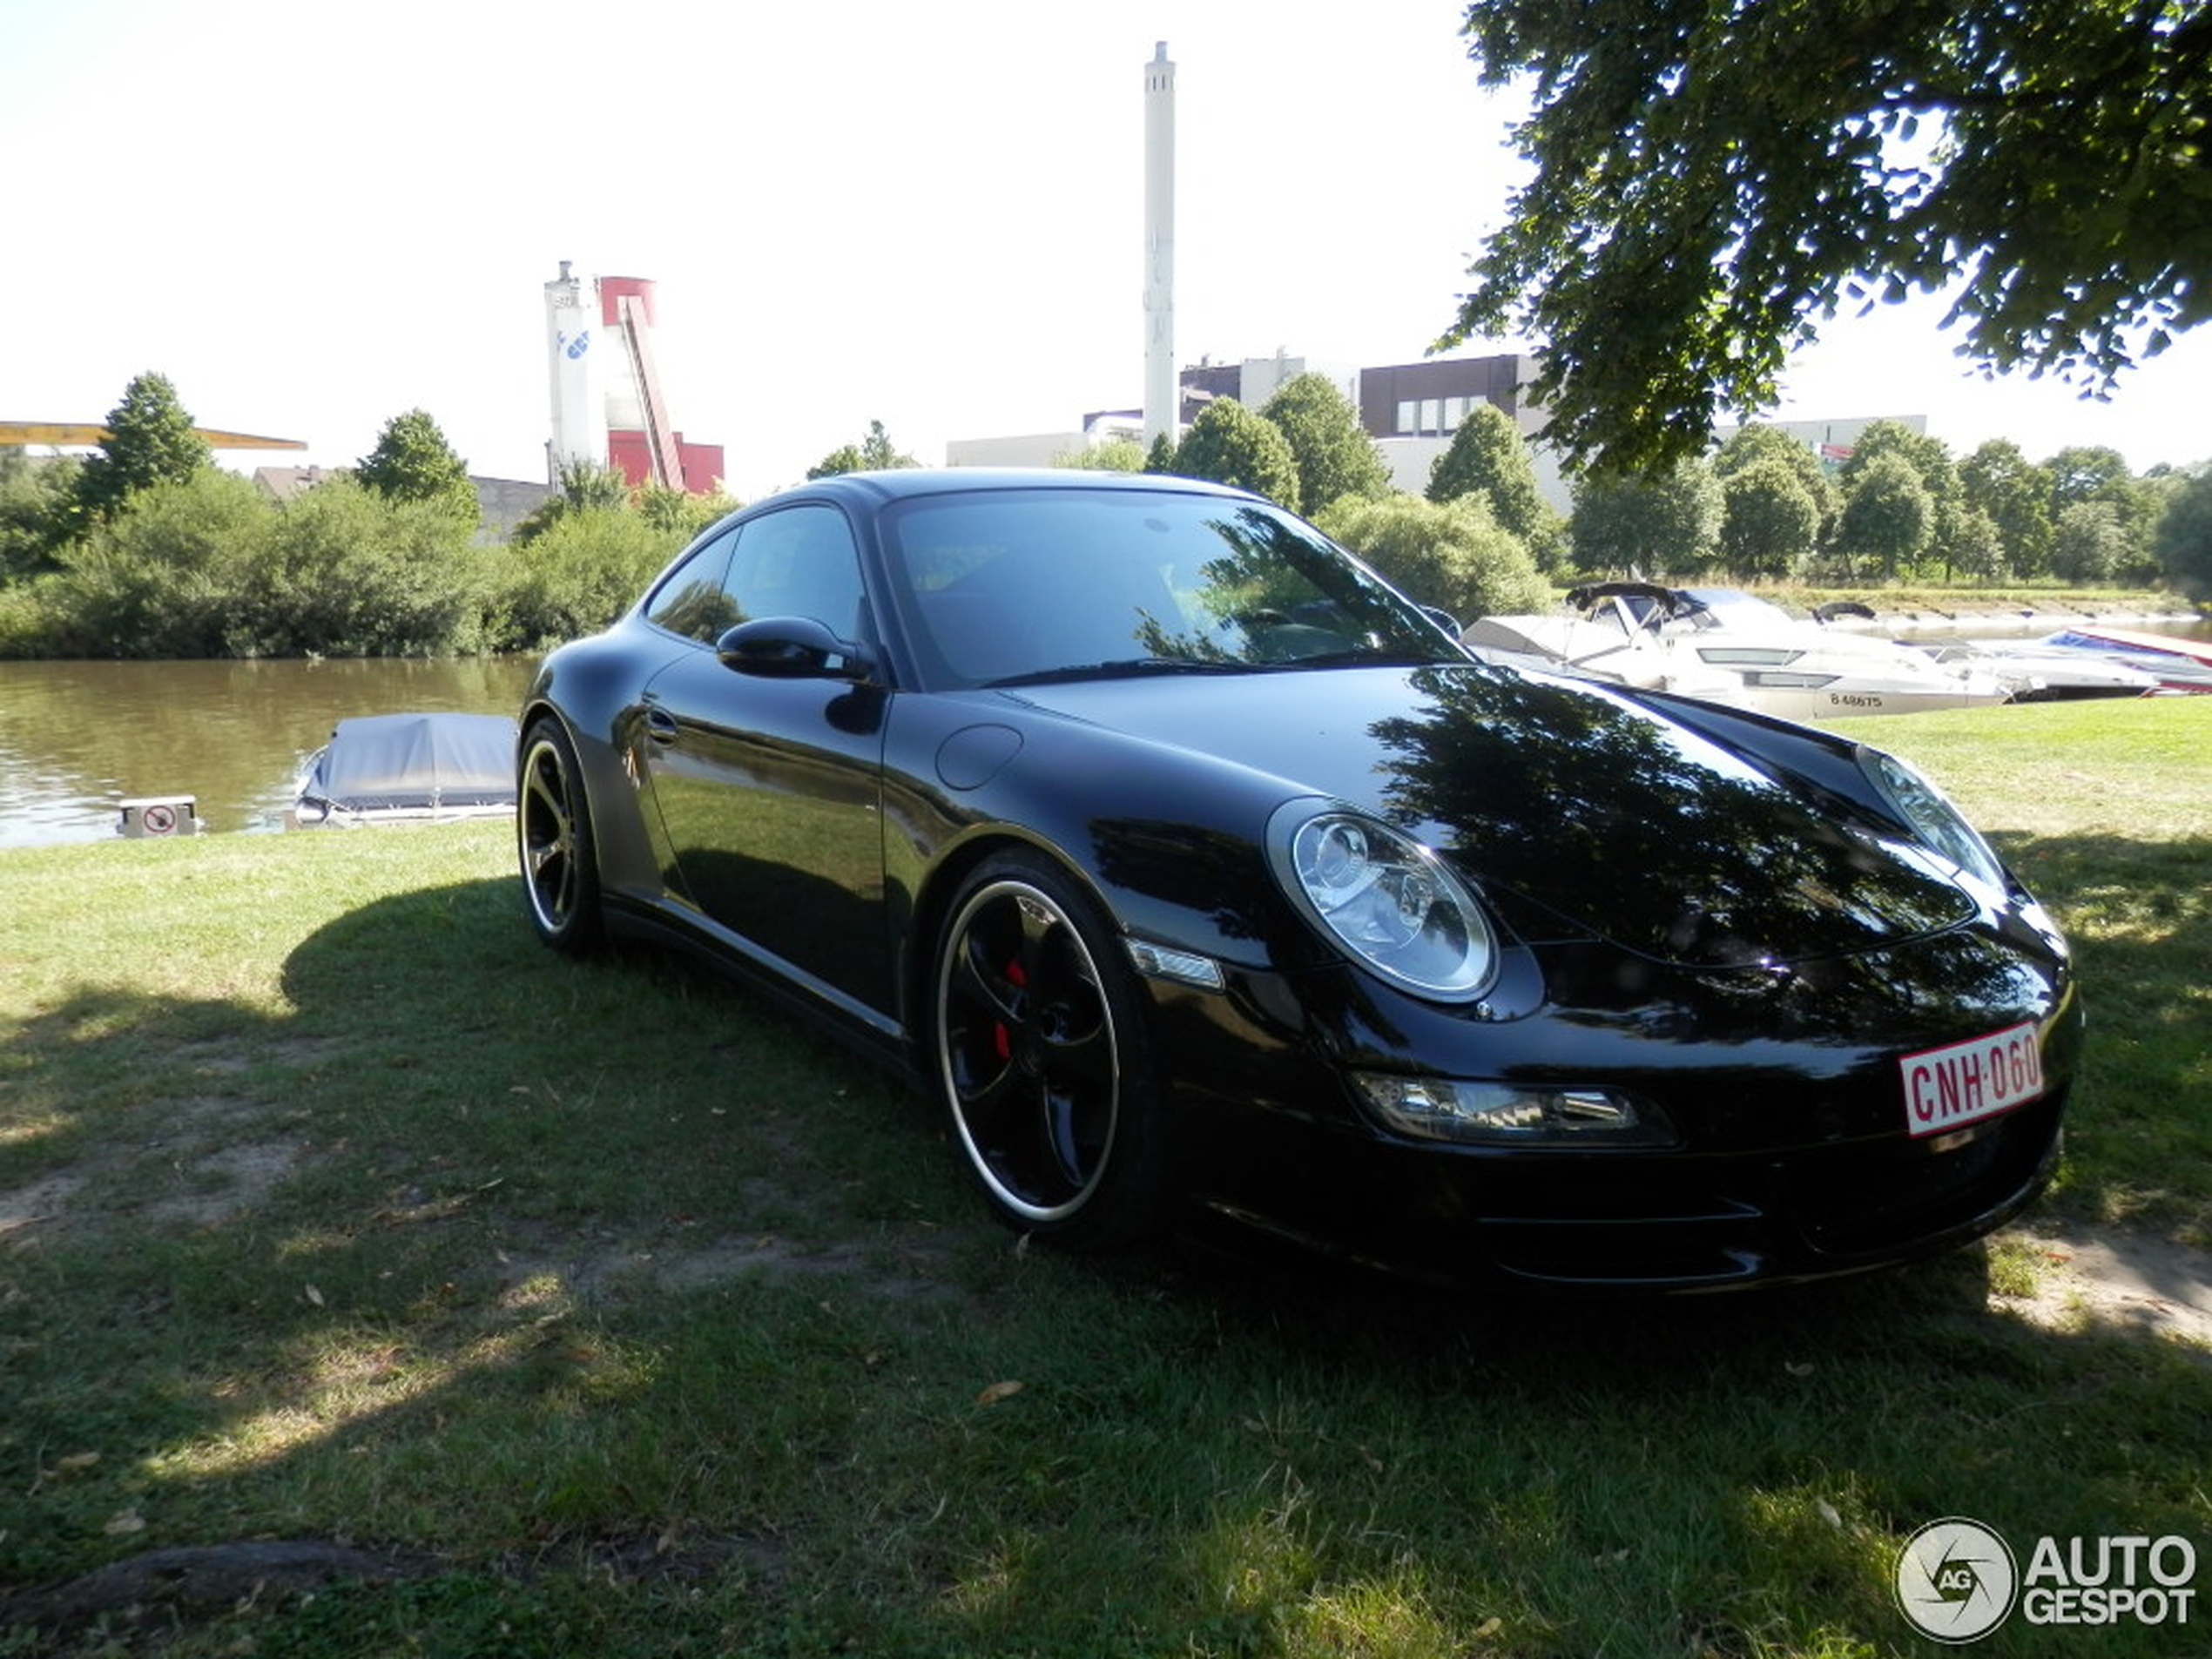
2140	915
659	1325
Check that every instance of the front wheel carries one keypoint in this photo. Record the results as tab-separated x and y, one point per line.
1043	1059
553	840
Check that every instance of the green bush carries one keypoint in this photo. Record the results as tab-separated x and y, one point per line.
1452	555
348	572
579	573
164	577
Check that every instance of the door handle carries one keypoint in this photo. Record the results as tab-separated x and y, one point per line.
660	726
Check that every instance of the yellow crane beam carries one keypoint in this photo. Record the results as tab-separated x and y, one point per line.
65	434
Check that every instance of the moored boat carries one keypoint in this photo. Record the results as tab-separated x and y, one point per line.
1765	659
2182	666
380	768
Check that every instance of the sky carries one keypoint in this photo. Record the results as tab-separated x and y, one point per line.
313	217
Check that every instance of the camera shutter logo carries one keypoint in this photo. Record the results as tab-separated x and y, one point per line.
1956	1580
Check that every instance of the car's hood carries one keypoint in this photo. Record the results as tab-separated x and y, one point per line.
1600	813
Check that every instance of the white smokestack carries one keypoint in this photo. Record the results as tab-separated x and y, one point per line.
1162	400
579	405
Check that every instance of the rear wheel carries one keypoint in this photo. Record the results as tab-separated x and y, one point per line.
1042	1060
553	840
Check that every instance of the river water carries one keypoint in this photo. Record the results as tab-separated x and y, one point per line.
77	737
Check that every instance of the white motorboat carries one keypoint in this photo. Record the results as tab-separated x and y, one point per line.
2039	671
1607	642
2178	665
1679	637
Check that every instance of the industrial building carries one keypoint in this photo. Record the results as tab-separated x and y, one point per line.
608	406
1411	411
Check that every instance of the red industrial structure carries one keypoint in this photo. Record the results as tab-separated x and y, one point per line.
607	395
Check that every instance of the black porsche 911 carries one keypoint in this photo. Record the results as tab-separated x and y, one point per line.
1189	863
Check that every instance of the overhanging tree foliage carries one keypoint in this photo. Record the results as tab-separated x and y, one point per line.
1714	178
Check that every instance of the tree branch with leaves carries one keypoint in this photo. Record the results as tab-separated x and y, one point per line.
1715	179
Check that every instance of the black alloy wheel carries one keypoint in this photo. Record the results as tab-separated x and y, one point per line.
553	840
1043	1059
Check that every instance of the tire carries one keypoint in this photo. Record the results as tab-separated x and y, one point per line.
1042	1060
553	841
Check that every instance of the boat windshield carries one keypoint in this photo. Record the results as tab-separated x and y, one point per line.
1734	609
1006	586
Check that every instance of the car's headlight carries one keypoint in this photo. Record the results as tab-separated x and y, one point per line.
1385	898
1939	824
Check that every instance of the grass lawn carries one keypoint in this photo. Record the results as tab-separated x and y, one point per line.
480	1302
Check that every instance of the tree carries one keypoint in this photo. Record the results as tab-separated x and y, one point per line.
1930	458
1769	520
1487	455
875	453
1931	462
1888	517
1978	546
1233	445
150	440
413	461
1454	555
2091	541
1714	180
37	499
2084	473
2013	494
1159	456
1333	453
1669	524
1756	442
2184	542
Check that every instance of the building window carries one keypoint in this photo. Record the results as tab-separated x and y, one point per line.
1432	415
1408	412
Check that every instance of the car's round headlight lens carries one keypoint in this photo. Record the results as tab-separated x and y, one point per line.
1940	824
1386	899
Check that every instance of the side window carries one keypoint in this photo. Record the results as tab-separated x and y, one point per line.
692	601
800	561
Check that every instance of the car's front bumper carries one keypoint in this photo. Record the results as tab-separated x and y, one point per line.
1787	1168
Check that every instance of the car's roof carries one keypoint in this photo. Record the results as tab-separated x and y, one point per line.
901	482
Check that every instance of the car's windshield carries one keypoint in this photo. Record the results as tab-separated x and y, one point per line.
1003	586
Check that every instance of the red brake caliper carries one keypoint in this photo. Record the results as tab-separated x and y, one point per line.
1001	1041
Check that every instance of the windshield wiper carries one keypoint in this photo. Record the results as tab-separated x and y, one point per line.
1124	668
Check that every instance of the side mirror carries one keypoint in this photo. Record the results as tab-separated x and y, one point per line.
792	648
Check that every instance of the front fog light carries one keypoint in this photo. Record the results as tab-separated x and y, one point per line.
1452	1108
